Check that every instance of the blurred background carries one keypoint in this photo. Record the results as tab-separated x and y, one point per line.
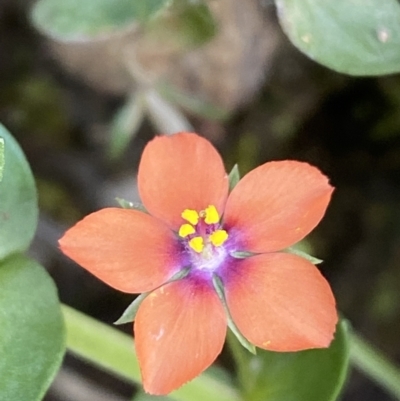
83	112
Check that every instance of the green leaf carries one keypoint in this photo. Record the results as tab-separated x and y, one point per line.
219	289
125	125
305	255
312	375
129	314
32	339
358	37
131	205
77	20
1	158
18	200
185	25
234	177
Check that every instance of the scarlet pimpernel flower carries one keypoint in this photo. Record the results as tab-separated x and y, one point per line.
206	257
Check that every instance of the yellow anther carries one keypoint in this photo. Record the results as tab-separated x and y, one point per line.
218	237
185	230
211	215
197	244
191	216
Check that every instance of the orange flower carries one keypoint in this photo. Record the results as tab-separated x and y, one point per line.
278	300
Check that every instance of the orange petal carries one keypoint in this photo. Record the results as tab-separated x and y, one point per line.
178	172
179	332
276	205
127	249
281	302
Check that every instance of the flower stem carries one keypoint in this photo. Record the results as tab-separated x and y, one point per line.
113	350
374	364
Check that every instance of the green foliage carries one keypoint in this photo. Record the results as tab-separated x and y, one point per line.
358	37
192	104
305	255
176	22
185	25
1	158
95	341
18	200
312	375
126	124
130	312
369	360
113	350
220	290
31	334
131	205
242	254
234	177
165	117
148	397
74	20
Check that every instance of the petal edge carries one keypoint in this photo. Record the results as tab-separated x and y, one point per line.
281	302
178	172
127	249
179	332
276	205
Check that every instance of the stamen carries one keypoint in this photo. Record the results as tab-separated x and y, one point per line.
185	230
218	237
211	215
197	244
191	216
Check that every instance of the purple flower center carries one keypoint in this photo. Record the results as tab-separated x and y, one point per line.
204	238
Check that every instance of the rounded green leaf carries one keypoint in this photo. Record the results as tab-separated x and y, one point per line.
358	37
76	20
312	375
1	157
31	330
18	199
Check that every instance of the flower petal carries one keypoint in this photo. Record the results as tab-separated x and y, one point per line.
178	172
179	332
127	249
281	302
276	205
